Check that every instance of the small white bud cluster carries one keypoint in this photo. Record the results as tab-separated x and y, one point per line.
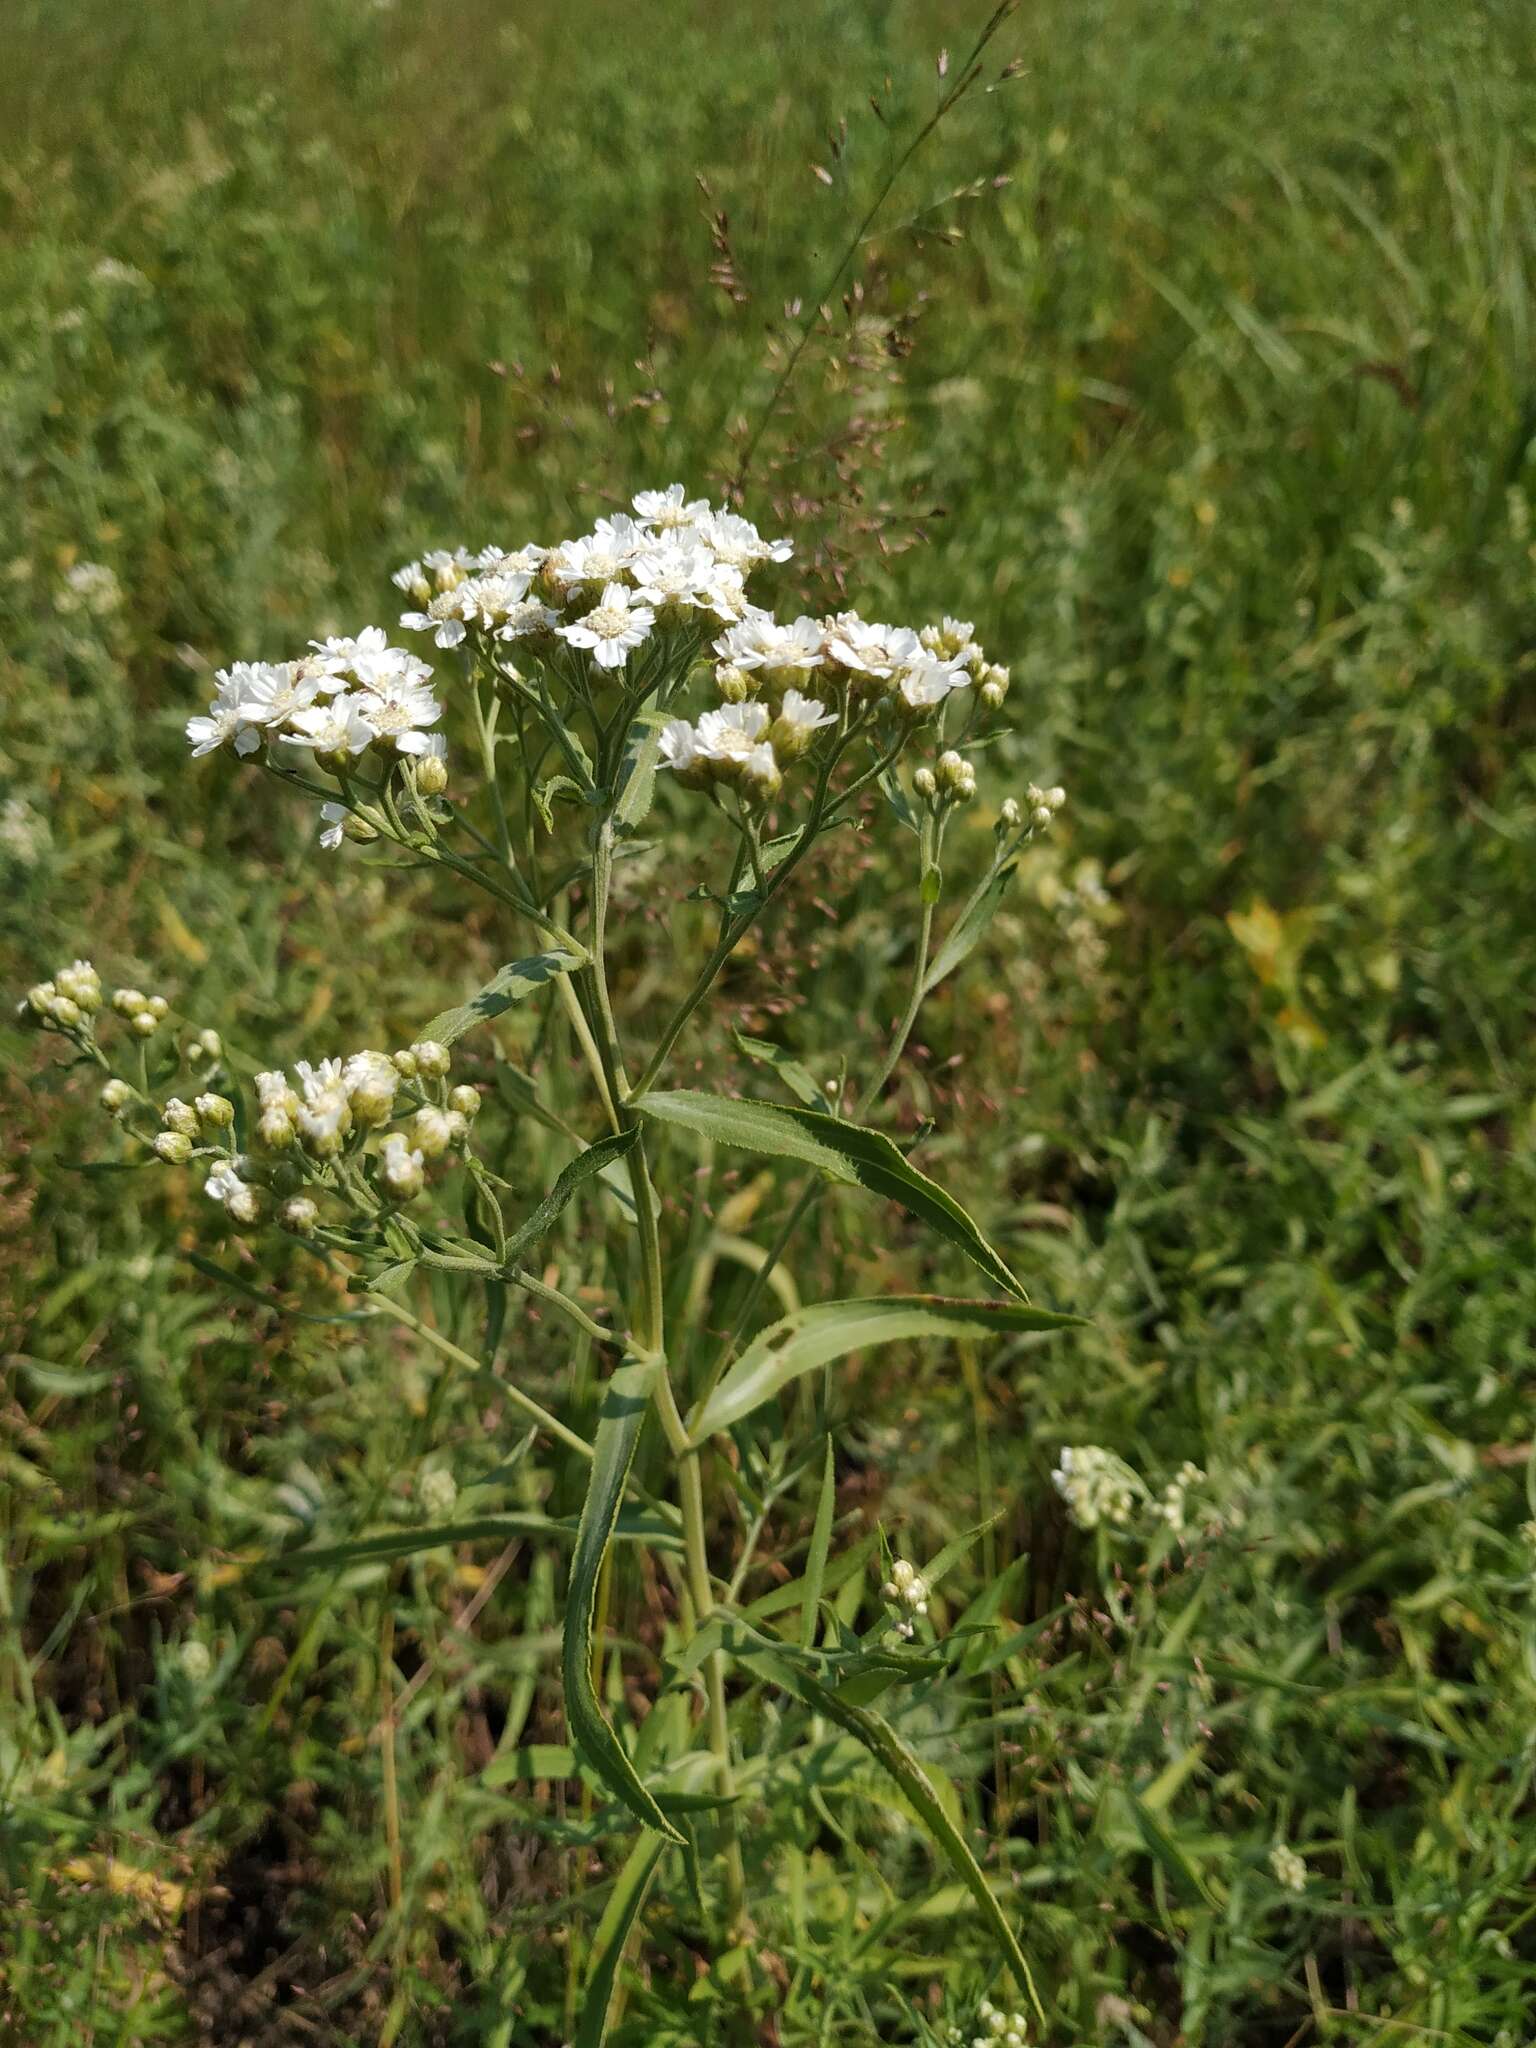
67	1002
906	1588
1172	1505
954	778
1290	1869
1098	1487
1043	804
996	2029
145	1014
196	1661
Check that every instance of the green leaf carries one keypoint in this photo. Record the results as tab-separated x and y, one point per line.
829	1330
928	1802
821	1543
840	1151
796	1078
544	794
537	1763
506	987
624	1903
626	1401
966	931
633	1526
637	772
604	1153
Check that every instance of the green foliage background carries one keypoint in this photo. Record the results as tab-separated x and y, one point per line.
1196	364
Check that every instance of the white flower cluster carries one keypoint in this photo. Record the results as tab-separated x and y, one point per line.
671	562
342	697
999	2029
1172	1505
69	1002
905	1588
1290	1869
1098	1487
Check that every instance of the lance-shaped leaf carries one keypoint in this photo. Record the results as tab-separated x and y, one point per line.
509	985
626	1399
980	909
830	1330
605	1152
893	1755
624	1903
840	1151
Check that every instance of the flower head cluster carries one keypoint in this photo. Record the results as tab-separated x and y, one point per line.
1172	1504
344	696
1290	1869
907	1591
1098	1487
997	2029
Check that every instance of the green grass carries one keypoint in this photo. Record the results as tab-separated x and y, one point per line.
1217	416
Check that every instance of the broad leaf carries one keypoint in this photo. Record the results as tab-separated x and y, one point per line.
797	1079
829	1330
838	1150
980	909
637	772
604	1153
511	984
626	1399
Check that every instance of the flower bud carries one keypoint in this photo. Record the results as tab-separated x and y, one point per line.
64	1012
127	1001
173	1148
275	1128
196	1661
437	1490
433	1130
371	1082
431	774
464	1100
300	1214
404	1063
208	1045
82	984
115	1097
733	683
217	1111
145	1023
400	1168
431	1058
1010	816
180	1116
991	697
925	784
157	1007
324	1123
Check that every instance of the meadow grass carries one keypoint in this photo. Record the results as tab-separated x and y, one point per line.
1195	364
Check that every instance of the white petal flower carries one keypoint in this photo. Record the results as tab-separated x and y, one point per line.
277	689
927	682
333	825
731	732
758	641
339	727
228	720
669	509
868	648
680	746
614	627
804	714
730	538
398	710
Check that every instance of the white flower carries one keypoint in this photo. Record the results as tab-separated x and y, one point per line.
616	625
339	727
336	658
758	641
798	719
228	717
333	825
398	709
400	1167
1096	1486
869	648
673	574
275	690
1289	1868
594	560
680	747
731	732
669	509
239	1198
927	683
736	540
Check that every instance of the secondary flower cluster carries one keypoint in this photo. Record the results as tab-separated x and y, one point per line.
999	2029
906	1589
1097	1487
342	697
320	1131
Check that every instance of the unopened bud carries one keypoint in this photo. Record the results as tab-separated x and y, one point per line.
127	1001
301	1214
732	683
431	774
437	1490
144	1022
81	983
157	1007
925	784
275	1128
173	1148
208	1044
431	1058
400	1168
404	1064
215	1110
433	1131
40	999
464	1100
115	1097
180	1116
196	1661
65	1012
1009	814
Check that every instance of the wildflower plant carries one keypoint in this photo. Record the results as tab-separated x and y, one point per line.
513	730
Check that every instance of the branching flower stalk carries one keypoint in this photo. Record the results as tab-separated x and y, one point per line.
594	672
